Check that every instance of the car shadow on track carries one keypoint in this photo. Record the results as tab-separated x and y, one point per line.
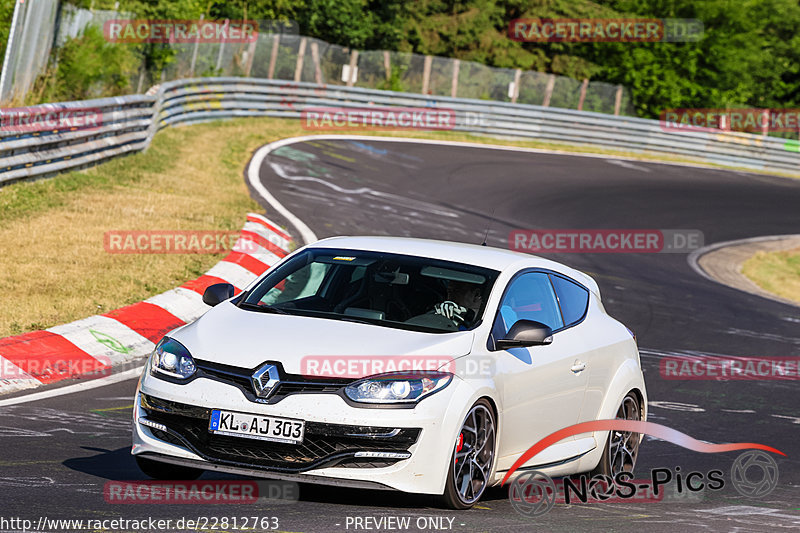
107	464
119	465
387	499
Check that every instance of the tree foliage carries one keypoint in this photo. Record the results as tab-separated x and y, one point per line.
748	55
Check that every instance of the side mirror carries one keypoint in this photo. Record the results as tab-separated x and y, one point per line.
526	333
219	292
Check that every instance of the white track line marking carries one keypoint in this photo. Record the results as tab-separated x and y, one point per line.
78	387
253	169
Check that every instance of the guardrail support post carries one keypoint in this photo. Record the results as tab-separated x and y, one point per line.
426	74
273	56
517	77
387	65
454	84
618	100
351	79
298	68
548	90
584	85
315	59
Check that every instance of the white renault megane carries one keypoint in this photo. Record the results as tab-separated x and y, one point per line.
407	364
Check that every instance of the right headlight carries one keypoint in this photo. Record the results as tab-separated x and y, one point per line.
171	358
398	387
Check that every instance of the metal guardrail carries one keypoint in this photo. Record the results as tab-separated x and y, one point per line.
130	122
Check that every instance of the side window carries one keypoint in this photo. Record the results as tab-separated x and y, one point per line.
530	297
573	299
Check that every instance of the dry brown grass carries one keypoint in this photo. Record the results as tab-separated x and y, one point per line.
776	272
53	267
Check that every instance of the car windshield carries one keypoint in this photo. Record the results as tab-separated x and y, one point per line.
400	291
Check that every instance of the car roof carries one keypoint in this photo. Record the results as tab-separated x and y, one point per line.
471	254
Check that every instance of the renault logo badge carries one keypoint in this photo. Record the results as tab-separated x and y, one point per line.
265	379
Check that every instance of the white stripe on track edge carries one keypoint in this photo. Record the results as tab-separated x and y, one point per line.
253	169
78	387
327	137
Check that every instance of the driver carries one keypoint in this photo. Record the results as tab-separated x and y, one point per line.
462	304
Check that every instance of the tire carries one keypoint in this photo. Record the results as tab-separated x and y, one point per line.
166	471
622	447
475	446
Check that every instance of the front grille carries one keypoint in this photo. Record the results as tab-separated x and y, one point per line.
289	383
324	445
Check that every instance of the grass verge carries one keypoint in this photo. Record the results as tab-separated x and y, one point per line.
776	272
55	269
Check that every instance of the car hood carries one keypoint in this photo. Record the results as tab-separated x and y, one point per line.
229	335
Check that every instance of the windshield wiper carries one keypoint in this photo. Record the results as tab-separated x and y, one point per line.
264	308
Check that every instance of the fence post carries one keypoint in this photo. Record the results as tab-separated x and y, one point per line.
251	55
387	65
221	50
194	51
298	68
454	85
517	77
584	85
426	74
18	6
548	91
315	59
351	79
618	100
273	56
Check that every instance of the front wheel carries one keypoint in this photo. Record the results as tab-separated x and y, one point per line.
622	447
472	459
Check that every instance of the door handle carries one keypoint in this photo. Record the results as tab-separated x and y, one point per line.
578	367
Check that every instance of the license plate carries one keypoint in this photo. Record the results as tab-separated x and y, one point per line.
259	427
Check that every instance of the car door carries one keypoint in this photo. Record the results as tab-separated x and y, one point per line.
542	387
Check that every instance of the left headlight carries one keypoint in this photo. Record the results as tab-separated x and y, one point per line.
171	358
399	387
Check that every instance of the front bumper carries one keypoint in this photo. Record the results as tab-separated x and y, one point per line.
324	445
343	445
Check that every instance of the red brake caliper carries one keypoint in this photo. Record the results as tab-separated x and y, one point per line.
459	444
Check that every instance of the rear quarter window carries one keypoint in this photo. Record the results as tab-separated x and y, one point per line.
572	298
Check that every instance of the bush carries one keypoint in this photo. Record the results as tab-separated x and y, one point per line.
87	67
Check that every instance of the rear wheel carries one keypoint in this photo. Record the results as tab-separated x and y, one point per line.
472	458
166	471
622	447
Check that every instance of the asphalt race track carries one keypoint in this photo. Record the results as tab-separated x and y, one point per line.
57	454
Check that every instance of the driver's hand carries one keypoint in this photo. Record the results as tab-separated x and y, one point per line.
451	310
